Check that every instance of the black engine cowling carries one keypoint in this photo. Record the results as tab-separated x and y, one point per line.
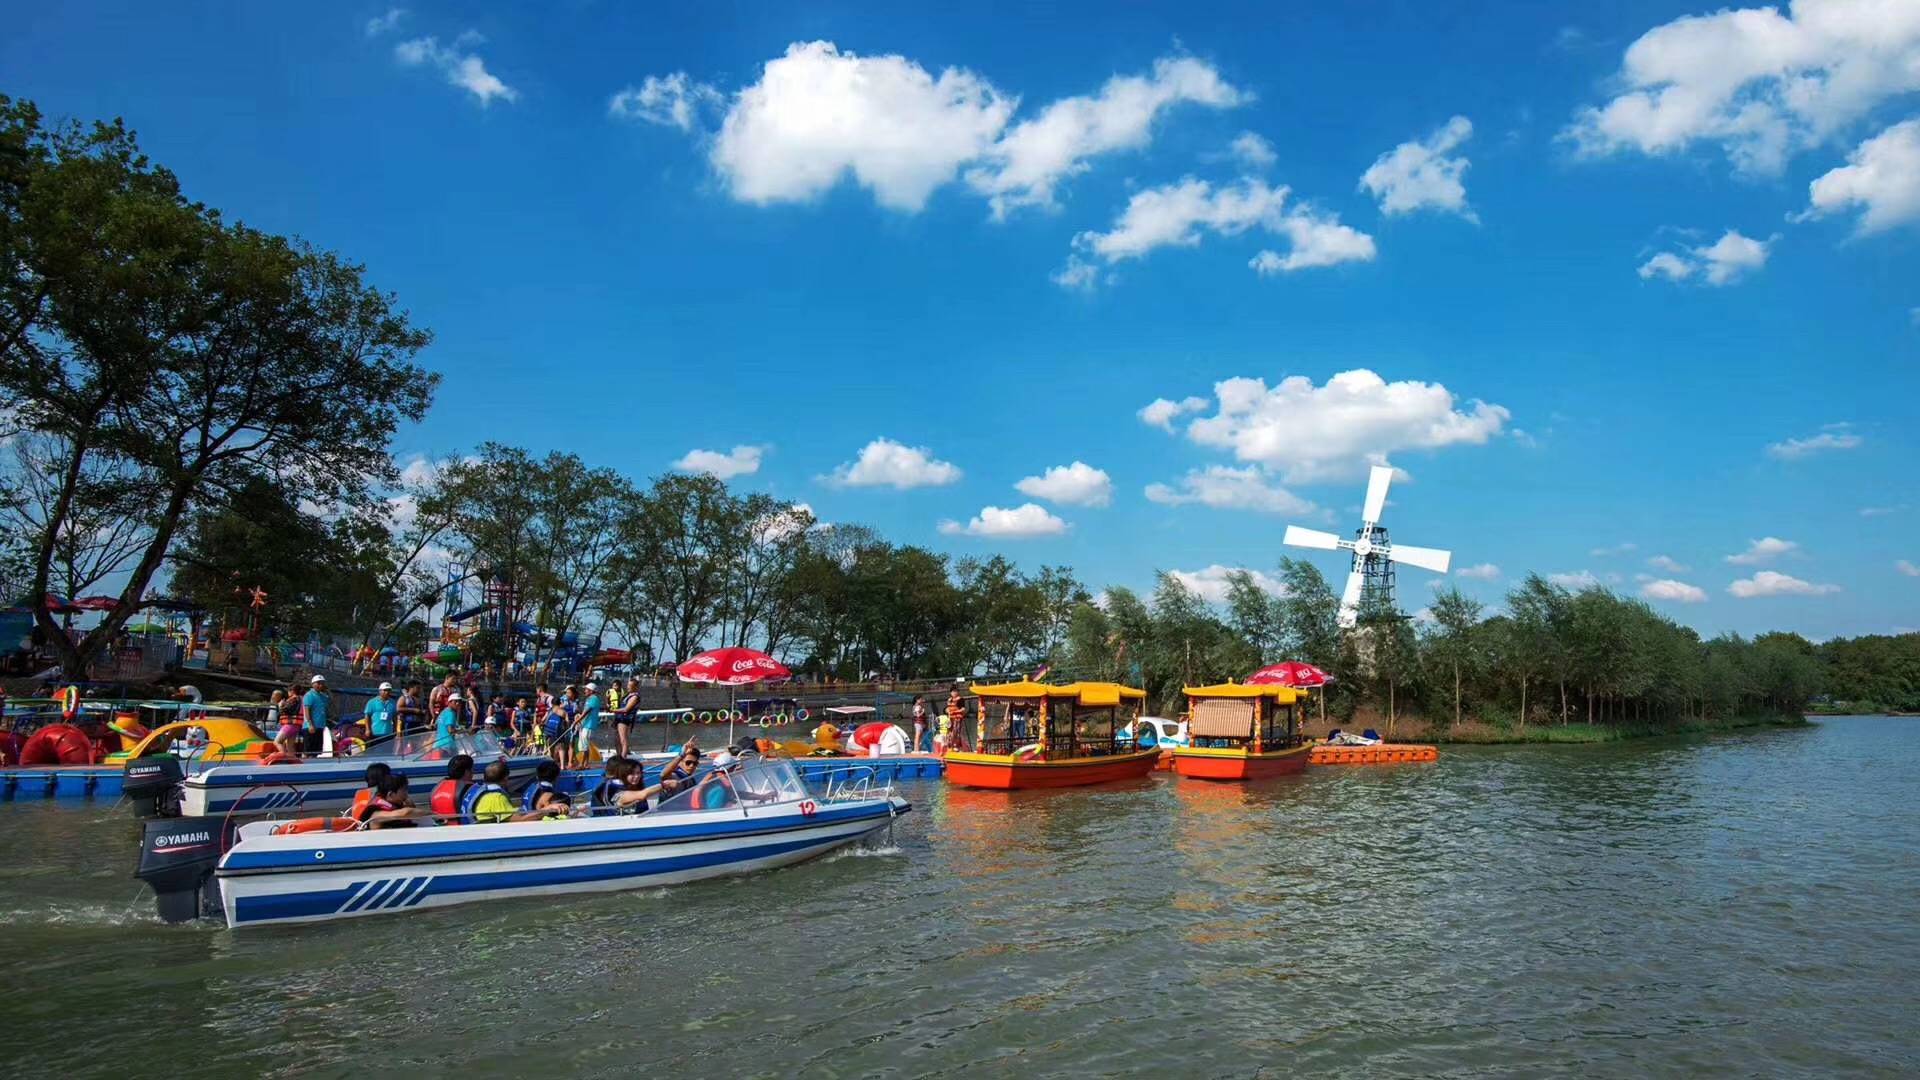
152	785
177	857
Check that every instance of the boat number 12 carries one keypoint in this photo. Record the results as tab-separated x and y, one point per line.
807	807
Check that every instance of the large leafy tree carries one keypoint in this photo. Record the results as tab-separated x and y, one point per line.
141	328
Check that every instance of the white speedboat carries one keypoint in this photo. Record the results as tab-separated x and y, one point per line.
330	783
753	817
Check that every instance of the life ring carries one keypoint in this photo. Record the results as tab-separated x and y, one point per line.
782	718
280	757
802	715
706	718
1030	748
69	702
316	824
685	717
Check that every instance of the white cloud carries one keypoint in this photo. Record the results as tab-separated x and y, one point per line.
1253	151
462	68
1023	522
1034	156
1486	571
1760	84
385	24
1225	488
1078	273
1881	177
1310	433
885	463
740	461
1795	449
1178	214
1078	484
1574	579
1616	549
1763	551
819	115
1677	591
1161	412
1770	583
1210	583
1906	567
1880	511
1423	174
674	100
1722	262
1668	563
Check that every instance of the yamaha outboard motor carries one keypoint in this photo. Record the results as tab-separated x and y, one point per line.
177	858
152	784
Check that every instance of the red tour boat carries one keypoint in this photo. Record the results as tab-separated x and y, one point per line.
1242	732
1031	735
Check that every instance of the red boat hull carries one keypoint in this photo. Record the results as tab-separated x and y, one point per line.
1004	773
1204	766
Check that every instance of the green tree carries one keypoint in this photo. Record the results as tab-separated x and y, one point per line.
1456	639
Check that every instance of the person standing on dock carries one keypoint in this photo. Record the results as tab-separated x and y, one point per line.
409	713
919	722
313	717
380	713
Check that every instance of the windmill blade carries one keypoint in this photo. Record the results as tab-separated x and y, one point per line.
1350	599
1310	538
1377	481
1423	557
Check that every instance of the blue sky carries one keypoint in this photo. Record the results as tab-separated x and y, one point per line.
1615	279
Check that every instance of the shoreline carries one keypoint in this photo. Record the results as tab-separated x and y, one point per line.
1475	734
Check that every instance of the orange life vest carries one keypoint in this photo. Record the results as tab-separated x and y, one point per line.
445	800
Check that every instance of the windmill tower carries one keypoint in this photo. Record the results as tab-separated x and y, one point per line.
1371	580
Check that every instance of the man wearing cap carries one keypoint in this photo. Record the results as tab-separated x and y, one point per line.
380	713
313	712
589	719
447	725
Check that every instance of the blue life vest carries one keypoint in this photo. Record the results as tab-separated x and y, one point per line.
604	794
530	799
471	798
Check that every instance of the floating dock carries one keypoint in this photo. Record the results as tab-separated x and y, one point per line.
29	782
1382	754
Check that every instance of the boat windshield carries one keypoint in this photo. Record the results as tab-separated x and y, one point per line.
418	745
757	783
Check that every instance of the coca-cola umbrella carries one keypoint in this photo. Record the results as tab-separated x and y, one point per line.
732	666
1295	674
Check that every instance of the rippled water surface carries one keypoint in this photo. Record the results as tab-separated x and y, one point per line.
1745	904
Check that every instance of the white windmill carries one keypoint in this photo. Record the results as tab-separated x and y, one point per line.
1373	556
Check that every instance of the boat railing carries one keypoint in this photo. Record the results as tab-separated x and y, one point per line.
857	784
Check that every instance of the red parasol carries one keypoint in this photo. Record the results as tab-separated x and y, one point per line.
732	666
1289	673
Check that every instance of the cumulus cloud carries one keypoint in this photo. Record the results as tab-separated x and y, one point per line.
885	463
1486	571
1162	412
1223	487
1310	433
1722	262
1771	583
1764	550
1574	579
1906	567
1677	591
385	24
1210	583
461	67
819	115
1668	563
1026	165
1023	522
1181	213
1881	179
1253	151
1761	84
674	100
1423	174
1078	484
1837	437
740	461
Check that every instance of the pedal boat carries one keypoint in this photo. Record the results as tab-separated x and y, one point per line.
1242	732
758	816
1032	735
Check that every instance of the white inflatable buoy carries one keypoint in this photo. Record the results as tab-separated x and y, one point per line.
891	741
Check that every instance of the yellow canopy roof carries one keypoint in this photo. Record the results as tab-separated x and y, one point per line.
1094	694
1285	695
1025	688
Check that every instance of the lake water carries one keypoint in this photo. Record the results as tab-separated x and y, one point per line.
1745	904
